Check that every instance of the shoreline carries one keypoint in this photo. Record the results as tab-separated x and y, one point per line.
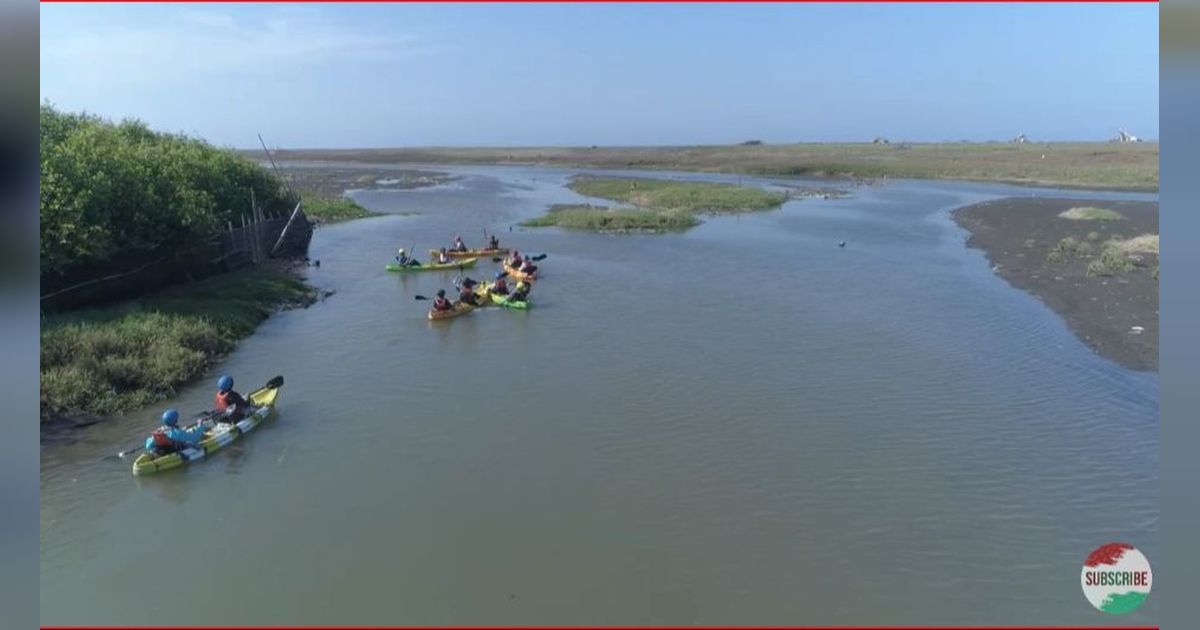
1057	260
193	324
1101	166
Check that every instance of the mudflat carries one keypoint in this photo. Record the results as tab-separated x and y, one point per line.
1088	270
1091	165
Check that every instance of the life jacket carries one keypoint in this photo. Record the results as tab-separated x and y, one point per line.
467	295
460	246
500	286
161	439
222	400
442	304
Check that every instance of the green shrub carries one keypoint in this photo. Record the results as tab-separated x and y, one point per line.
1112	261
109	189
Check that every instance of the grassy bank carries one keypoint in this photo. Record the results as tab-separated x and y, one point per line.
601	219
332	210
1101	165
676	195
119	358
659	205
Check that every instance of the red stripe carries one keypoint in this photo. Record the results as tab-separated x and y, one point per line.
614	1
621	628
1107	554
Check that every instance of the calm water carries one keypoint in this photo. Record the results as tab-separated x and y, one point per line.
738	424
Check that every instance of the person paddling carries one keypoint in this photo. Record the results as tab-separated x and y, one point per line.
493	242
521	293
404	260
527	267
500	286
231	404
441	303
443	256
169	438
466	294
459	245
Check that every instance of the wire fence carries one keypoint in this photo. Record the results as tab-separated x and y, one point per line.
254	239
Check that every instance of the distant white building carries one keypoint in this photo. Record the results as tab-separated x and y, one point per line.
1124	136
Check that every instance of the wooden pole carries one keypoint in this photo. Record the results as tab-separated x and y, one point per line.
254	227
277	173
286	226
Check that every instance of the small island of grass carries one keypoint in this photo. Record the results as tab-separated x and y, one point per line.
323	209
698	197
618	220
657	205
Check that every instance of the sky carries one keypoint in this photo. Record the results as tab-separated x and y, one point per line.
390	75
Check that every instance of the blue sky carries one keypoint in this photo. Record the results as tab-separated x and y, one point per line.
372	75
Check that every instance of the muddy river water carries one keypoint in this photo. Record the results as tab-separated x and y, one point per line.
740	424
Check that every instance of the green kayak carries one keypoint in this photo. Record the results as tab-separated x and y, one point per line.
452	265
503	300
484	292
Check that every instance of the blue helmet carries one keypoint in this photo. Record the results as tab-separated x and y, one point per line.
224	383
170	417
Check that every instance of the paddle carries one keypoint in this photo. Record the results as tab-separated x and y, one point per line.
199	418
274	383
532	258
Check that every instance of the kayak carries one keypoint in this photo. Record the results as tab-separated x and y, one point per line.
480	253
520	275
460	308
457	264
503	300
215	438
484	291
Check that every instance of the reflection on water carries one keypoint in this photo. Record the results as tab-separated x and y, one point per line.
743	423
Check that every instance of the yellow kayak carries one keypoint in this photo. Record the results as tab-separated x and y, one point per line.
465	263
460	308
517	274
216	438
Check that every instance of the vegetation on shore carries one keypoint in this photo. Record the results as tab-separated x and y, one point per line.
657	205
661	194
332	210
1087	213
121	190
1099	165
119	358
601	219
1114	257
